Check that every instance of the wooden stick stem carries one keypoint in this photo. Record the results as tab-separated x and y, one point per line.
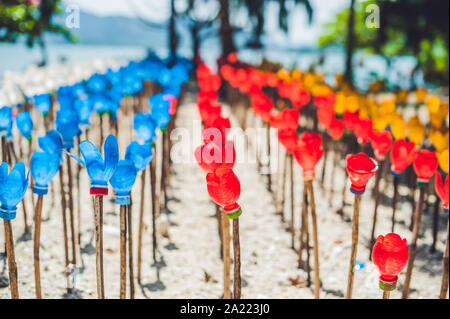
355	233
98	215
37	241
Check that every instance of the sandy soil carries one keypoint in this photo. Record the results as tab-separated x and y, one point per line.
189	245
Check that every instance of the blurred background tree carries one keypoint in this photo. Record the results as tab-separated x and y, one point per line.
407	27
30	19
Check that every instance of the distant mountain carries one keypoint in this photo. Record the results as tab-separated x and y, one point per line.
112	30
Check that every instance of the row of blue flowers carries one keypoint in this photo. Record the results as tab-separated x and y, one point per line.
102	93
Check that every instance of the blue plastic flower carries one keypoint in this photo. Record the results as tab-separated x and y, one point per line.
25	124
51	143
67	125
140	155
43	103
43	167
123	180
12	189
162	118
100	103
5	121
84	111
99	170
145	126
97	83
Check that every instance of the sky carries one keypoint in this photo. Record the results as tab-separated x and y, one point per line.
300	32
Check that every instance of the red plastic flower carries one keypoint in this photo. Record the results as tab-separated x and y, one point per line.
442	189
224	188
402	155
209	112
361	168
425	165
288	138
381	143
286	119
308	153
363	130
210	133
350	120
390	255
336	129
211	156
325	116
262	105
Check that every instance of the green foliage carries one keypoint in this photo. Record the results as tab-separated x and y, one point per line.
21	18
407	27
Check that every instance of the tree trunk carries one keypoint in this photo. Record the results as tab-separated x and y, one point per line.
348	76
226	31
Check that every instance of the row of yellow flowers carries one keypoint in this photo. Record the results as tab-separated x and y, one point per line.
389	111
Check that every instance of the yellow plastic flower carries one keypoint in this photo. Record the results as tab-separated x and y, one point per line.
296	74
387	106
436	120
439	139
339	103
443	159
433	104
398	127
352	103
416	130
421	94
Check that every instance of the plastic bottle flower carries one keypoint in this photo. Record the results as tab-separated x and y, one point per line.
99	170
84	111
43	167
288	138
140	155
425	165
123	180
381	143
390	255
42	102
402	155
439	139
398	127
224	188
361	168
12	189
145	126
363	130
5	121
308	153
67	125
416	130
97	83
442	190
51	143
211	156
443	159
25	124
286	119
159	105
220	126
336	129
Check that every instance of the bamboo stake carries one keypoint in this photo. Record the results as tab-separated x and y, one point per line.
130	250
72	219
413	246
123	252
98	215
379	173
315	239
219	229
394	201
141	225
37	239
333	173
437	205
324	167
355	233
155	205
269	173
291	225
226	255
237	260
304	226
162	184
79	201
66	240
444	285
12	267
283	188
386	294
